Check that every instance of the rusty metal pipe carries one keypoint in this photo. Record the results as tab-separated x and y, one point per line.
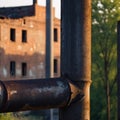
76	54
34	94
20	95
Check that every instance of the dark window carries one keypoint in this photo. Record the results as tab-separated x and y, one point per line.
12	68
24	36
24	21
55	34
55	66
24	69
12	34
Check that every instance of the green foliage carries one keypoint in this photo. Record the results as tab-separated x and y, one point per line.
105	14
6	116
12	116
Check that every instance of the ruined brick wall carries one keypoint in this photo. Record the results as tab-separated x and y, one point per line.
32	51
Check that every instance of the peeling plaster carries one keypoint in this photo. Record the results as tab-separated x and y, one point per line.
31	74
42	52
19	47
34	47
18	72
31	49
31	25
41	66
4	70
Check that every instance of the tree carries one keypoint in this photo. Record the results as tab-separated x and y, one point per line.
105	14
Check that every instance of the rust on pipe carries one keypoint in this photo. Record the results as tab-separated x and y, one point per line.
21	95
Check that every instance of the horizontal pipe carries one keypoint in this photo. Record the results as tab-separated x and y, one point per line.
21	95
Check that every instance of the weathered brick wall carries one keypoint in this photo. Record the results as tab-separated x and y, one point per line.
33	51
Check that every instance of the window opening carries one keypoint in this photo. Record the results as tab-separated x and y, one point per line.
24	69
12	34
12	68
55	65
55	34
24	36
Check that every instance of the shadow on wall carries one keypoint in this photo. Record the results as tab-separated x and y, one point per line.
21	66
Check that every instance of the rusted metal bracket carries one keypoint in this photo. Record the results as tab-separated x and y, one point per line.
76	93
21	95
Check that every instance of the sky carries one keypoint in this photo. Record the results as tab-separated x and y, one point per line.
8	3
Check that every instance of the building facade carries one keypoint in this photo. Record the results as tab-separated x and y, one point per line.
23	42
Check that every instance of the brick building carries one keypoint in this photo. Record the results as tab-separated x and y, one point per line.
23	42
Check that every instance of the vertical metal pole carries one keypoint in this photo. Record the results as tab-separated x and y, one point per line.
76	54
49	44
118	67
49	39
35	1
51	114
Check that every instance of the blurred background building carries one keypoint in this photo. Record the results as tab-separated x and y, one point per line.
23	42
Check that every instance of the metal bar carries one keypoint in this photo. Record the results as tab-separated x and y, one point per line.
118	67
21	95
76	54
49	39
49	43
